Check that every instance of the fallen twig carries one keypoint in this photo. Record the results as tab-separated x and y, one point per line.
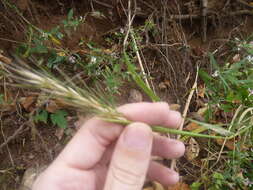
244	3
209	15
103	4
204	19
16	133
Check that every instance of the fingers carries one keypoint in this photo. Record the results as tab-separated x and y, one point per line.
130	160
162	147
167	148
162	174
89	144
152	114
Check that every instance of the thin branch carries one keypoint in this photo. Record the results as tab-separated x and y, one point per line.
186	108
103	4
209	15
129	32
139	60
129	23
204	19
7	147
244	3
16	133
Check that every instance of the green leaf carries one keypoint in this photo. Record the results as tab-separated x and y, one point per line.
195	186
55	59
41	116
70	14
218	176
1	99
213	62
226	107
39	49
217	128
59	118
205	76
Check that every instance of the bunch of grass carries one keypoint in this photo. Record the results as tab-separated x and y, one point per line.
84	99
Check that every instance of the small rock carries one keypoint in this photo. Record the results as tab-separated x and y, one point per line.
30	176
31	156
59	132
162	86
236	58
135	96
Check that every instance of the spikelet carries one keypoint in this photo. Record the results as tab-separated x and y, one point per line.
81	99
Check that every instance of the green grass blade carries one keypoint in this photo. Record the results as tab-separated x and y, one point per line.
138	80
217	128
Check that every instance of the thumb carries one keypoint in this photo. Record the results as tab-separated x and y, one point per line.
130	160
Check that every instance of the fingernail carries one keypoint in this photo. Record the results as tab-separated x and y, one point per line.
138	136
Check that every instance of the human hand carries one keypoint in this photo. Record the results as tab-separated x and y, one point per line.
108	156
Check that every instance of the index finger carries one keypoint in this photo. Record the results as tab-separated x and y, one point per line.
158	113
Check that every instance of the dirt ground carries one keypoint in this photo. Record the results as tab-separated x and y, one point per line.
38	144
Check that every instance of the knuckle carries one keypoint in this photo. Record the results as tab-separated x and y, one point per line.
126	176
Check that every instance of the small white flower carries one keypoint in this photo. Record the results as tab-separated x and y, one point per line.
93	60
81	18
44	35
215	74
248	182
237	39
72	59
249	58
250	91
121	30
239	47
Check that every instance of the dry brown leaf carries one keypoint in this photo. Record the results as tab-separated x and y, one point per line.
236	101
201	91
192	126
28	103
164	85
236	58
230	144
175	107
179	186
5	59
52	107
192	150
167	83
